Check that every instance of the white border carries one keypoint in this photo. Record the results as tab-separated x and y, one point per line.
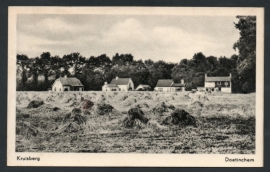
142	160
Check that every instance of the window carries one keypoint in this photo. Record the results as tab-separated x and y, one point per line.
59	89
226	84
54	88
218	83
160	89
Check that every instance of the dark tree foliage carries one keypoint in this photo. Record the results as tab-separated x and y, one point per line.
246	45
37	74
94	71
22	62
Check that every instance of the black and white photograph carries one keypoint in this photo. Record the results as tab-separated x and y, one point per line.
172	82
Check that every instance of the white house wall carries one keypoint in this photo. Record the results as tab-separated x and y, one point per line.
226	89
209	84
106	88
123	87
57	86
164	89
126	87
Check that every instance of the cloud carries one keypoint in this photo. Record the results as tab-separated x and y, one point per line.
55	29
157	41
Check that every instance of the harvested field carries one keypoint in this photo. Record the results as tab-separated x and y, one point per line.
138	122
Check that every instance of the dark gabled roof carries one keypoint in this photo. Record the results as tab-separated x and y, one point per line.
178	85
217	78
164	83
71	81
120	81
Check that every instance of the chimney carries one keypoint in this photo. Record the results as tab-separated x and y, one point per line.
230	75
182	81
116	77
105	83
206	75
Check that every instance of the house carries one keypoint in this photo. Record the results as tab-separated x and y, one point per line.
164	85
67	84
178	87
119	84
142	87
218	83
110	87
167	85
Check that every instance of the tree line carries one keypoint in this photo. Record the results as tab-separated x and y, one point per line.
39	73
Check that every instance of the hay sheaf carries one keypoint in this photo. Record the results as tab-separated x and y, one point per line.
180	117
163	107
142	105
75	115
104	108
196	105
135	119
35	104
86	104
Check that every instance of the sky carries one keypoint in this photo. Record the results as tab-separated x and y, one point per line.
156	37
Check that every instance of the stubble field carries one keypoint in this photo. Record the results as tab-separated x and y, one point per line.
135	122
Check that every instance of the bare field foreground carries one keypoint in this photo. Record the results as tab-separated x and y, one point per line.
135	122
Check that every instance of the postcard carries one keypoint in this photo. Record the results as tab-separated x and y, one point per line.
135	86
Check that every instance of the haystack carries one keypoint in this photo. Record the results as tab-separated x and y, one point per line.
86	104
179	117
135	118
35	104
76	116
104	108
142	105
163	107
196	105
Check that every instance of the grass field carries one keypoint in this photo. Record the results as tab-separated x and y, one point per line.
94	122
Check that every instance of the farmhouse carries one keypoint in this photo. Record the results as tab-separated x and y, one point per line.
119	84
110	87
220	83
142	87
167	85
67	84
178	86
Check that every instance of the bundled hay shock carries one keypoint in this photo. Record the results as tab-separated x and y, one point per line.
35	104
87	104
180	117
104	108
162	108
135	118
75	116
